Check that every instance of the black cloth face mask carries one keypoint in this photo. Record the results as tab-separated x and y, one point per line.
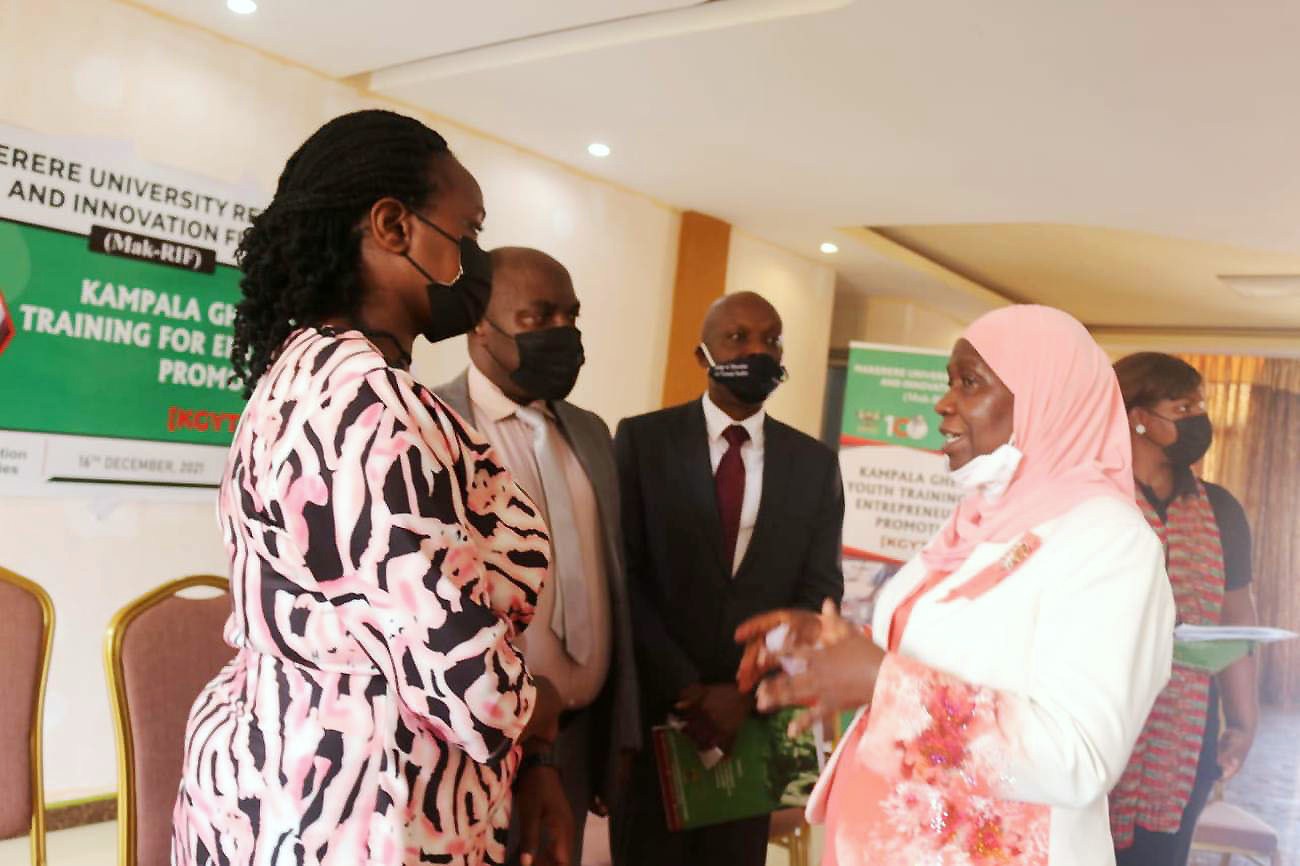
1195	433
752	378
549	360
457	306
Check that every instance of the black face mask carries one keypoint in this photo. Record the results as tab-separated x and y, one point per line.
751	378
457	307
1195	433
549	361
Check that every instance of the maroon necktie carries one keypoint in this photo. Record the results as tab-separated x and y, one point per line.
730	482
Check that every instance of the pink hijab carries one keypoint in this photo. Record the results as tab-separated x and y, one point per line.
1069	422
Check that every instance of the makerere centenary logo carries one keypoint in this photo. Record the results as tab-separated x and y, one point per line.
6	324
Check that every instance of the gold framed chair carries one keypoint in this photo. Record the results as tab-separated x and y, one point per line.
789	831
159	652
25	645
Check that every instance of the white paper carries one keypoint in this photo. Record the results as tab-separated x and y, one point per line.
774	641
710	758
823	745
1257	633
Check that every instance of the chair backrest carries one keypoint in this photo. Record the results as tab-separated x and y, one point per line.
160	651
26	635
1226	828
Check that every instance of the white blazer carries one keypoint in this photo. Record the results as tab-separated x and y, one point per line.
1072	647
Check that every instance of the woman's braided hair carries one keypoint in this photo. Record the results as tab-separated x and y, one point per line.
299	257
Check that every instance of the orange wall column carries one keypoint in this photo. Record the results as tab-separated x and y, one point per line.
701	279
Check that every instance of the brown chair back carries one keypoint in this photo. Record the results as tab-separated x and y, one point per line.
160	651
26	635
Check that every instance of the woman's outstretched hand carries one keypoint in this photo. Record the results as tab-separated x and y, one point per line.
794	629
830	664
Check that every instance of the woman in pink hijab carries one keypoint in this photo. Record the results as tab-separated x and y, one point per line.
1009	667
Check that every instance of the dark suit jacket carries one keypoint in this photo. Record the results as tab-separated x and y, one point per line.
617	709
685	603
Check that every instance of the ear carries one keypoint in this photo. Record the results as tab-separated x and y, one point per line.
389	225
699	356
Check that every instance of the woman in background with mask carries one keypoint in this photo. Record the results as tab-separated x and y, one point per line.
382	558
1011	664
1181	752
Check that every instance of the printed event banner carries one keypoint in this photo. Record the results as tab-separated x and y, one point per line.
896	485
117	300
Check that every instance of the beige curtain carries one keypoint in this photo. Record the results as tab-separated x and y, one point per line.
1255	406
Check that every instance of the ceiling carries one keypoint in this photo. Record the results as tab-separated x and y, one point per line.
1019	142
329	35
1108	278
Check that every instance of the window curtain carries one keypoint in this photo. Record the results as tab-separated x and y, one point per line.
1255	406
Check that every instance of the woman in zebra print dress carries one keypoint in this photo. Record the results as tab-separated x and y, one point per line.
382	559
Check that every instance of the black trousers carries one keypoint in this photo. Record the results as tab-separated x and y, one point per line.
1173	849
645	839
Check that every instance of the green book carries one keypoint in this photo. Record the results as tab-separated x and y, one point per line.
765	771
1210	656
1212	648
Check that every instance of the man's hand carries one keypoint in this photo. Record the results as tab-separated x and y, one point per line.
544	814
544	725
697	727
714	713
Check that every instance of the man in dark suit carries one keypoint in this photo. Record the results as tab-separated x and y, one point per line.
525	356
726	513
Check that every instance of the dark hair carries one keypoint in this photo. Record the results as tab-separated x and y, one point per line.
1146	378
299	257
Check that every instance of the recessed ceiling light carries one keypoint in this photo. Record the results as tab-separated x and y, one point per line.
829	248
598	149
242	7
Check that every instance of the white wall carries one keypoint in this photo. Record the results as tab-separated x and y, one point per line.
803	292
898	321
621	250
192	100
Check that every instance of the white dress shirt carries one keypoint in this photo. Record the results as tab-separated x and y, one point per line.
495	416
751	454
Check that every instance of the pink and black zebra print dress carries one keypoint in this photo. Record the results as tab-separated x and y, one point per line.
382	559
